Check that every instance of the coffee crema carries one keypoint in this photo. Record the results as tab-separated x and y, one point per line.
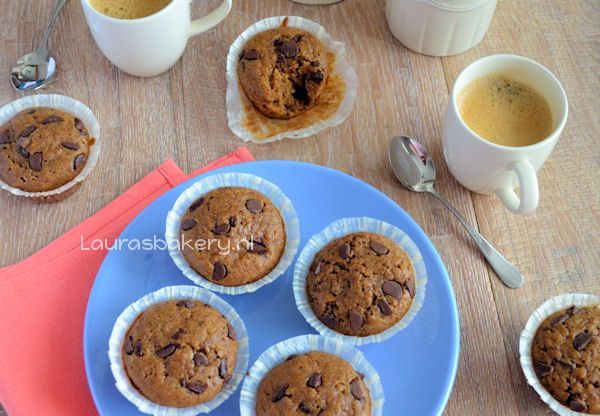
505	111
129	9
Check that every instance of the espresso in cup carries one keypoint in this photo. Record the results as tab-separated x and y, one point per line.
505	111
129	9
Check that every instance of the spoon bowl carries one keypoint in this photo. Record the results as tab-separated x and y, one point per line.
32	71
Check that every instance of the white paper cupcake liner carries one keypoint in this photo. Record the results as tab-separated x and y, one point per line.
525	342
235	108
341	228
69	105
244	180
129	315
302	344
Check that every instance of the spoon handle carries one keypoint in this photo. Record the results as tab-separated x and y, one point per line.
57	9
508	273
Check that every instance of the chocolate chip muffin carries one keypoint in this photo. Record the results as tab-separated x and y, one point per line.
180	353
361	284
42	149
283	71
233	236
314	384
566	357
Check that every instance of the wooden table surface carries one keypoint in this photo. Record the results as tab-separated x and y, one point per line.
181	115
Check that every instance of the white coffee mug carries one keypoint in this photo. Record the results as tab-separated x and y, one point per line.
150	45
489	168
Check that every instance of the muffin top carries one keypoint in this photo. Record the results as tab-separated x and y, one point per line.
566	357
180	353
42	149
283	71
314	384
232	236
361	284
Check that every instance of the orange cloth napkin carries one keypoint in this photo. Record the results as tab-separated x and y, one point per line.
43	301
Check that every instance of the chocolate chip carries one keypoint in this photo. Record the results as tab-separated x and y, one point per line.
356	389
232	221
385	307
79	161
197	387
344	250
280	392
182	382
188	224
392	288
581	340
297	38
52	119
35	162
378	248
291	357
560	319
578	405
277	42
572	310
356	320
251	55
223	371
315	380
219	271
317	77
254	206
186	303
31	111
329	320
410	286
542	369
6	136
315	268
231	331
568	366
221	229
179	333
79	125
166	351
23	152
289	48
129	345
196	204
200	359
70	145
303	407
137	348
27	131
257	247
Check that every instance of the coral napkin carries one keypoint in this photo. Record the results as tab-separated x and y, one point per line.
43	301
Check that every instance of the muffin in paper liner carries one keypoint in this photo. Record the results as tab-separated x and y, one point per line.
341	228
244	180
129	315
302	344
526	341
239	106
69	105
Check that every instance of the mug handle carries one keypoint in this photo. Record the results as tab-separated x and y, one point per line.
528	184
210	20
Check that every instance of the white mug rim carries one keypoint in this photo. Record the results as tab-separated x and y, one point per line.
555	132
144	19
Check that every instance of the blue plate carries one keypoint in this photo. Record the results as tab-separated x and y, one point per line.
417	366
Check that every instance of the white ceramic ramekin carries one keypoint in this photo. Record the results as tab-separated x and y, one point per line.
439	27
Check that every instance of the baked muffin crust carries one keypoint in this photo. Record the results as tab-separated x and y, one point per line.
361	284
315	383
238	236
566	357
283	71
180	353
42	149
